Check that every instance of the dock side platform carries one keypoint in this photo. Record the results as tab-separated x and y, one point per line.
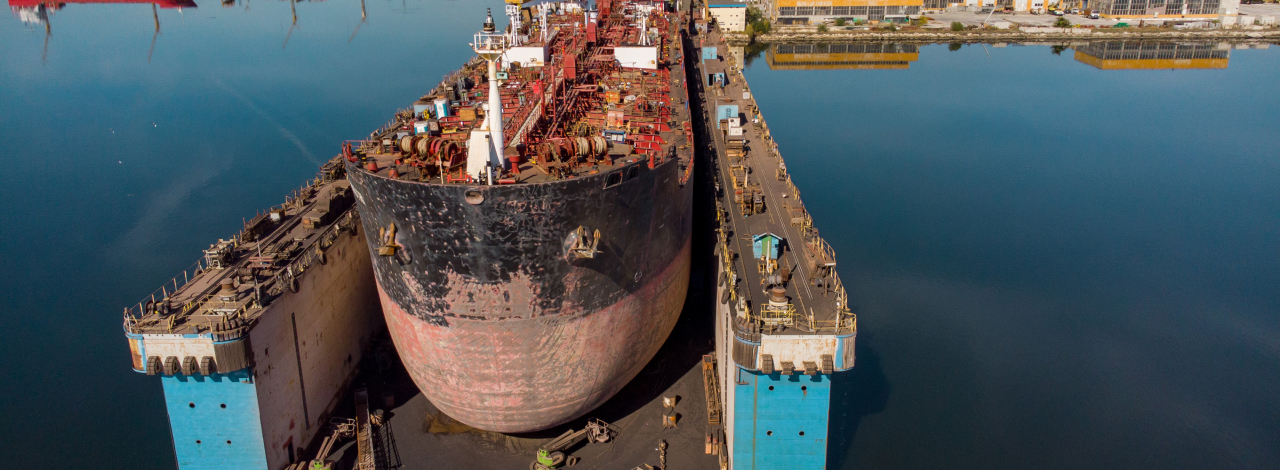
782	323
256	343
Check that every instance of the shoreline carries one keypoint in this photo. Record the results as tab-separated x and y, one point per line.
1005	35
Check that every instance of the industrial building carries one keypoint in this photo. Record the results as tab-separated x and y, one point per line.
1028	6
939	5
1134	55
801	12
731	15
1164	8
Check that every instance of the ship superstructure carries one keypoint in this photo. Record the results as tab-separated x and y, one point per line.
531	238
254	344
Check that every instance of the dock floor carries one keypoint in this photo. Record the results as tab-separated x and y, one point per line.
424	438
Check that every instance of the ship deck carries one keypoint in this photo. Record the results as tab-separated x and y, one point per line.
580	113
805	264
530	171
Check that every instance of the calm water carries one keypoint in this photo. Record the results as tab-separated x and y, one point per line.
1055	266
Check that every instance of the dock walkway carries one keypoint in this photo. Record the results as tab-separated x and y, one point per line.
783	327
760	205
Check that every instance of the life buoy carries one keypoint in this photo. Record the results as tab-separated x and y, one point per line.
293	284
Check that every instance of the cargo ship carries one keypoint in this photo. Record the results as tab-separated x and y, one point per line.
256	343
531	238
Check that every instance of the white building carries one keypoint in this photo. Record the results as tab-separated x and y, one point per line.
731	15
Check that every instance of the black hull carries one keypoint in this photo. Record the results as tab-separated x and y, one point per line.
493	315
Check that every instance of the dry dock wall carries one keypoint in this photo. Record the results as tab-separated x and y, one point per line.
309	343
305	348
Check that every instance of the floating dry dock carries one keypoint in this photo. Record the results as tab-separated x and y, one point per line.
783	326
255	343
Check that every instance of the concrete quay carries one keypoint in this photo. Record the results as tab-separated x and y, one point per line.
1006	35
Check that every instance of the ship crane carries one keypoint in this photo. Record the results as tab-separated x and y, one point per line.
514	9
513	15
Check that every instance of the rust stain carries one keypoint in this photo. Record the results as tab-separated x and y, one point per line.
530	374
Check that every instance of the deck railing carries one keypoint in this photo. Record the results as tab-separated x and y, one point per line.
820	247
777	315
148	303
135	321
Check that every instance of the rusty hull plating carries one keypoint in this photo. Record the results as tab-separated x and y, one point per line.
497	325
521	305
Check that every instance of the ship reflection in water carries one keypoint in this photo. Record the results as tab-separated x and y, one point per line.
1135	55
36	12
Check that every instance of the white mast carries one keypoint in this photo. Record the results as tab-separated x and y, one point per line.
644	30
490	45
543	10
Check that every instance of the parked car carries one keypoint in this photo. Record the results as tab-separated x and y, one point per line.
1093	15
1075	11
1056	12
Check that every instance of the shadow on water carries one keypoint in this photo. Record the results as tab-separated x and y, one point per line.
861	392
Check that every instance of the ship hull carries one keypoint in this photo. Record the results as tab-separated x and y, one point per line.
521	375
498	323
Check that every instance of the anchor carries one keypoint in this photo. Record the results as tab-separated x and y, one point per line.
583	245
388	238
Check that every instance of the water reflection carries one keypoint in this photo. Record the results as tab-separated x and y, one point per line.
842	56
36	12
1134	55
1105	55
